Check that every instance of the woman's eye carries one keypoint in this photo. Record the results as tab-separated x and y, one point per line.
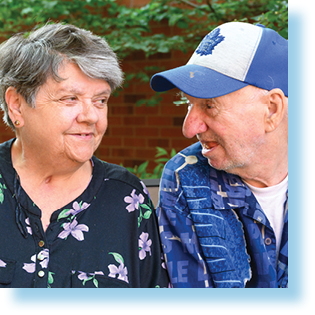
101	102
69	99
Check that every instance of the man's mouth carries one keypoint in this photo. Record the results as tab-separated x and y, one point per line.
208	146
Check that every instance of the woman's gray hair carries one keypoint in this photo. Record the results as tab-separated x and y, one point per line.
27	62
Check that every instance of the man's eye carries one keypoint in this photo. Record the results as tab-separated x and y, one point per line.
209	104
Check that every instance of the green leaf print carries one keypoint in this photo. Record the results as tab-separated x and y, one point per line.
117	257
2	188
63	214
146	215
95	282
50	278
85	280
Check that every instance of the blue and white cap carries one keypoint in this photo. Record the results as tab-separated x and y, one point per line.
232	56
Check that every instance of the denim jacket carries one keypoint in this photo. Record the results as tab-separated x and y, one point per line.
213	230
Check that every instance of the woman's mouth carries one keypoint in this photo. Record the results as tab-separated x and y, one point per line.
83	136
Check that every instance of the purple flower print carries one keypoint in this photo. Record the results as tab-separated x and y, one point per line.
2	264
75	229
87	276
145	189
144	245
133	201
43	256
121	270
77	207
30	267
83	276
28	228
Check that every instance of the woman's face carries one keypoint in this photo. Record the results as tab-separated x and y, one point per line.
69	118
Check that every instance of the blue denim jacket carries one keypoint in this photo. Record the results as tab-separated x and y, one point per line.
213	230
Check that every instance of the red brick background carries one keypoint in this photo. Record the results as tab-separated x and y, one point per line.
135	132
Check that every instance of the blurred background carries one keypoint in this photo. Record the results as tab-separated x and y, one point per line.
148	36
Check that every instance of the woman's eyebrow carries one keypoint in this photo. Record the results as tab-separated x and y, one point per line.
72	90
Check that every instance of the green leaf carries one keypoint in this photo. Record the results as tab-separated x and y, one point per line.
50	277
143	205
147	214
143	166
27	11
158	170
62	214
173	152
117	257
95	282
160	151
85	280
161	160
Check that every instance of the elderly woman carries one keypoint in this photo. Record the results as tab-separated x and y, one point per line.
68	219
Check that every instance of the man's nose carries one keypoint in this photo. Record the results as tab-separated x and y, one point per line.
194	122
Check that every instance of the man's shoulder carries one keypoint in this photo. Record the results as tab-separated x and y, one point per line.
192	167
188	156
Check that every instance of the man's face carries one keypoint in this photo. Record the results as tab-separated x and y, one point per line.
231	128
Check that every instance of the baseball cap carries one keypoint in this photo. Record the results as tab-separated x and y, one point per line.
232	56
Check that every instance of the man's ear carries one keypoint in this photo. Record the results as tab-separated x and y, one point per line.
277	108
14	101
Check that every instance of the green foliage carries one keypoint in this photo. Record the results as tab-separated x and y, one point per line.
161	157
130	30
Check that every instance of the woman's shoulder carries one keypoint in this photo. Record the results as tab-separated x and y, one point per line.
118	173
5	150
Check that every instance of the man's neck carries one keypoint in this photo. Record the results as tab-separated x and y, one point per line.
270	175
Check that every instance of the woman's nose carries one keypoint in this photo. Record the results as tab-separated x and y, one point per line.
88	114
193	123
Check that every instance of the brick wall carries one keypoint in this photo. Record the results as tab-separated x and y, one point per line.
134	132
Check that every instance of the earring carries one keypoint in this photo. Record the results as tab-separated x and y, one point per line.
17	122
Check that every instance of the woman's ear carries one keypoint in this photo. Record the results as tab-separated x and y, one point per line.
14	102
277	109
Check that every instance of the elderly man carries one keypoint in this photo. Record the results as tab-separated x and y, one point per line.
223	201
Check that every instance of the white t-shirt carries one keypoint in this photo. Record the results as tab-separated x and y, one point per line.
271	200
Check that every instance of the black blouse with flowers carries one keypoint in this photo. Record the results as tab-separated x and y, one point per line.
107	237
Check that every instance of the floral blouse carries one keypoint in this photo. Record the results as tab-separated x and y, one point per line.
107	237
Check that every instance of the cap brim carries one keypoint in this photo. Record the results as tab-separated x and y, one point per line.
196	81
